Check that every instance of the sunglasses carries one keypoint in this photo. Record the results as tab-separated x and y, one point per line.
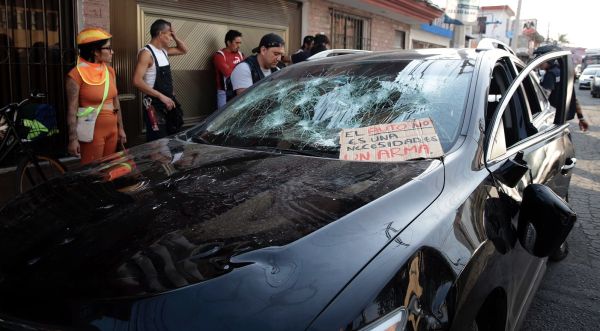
273	44
107	48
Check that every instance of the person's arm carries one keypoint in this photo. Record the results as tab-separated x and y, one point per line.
583	124
72	90
144	62
181	47
241	78
121	128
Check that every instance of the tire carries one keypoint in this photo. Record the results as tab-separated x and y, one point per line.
560	253
28	176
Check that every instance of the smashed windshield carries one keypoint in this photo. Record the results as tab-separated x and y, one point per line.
304	107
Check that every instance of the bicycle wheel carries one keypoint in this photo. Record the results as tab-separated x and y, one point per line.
28	175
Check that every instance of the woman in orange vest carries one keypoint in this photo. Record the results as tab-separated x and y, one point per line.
94	119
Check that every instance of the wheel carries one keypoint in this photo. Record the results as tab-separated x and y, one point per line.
29	176
560	253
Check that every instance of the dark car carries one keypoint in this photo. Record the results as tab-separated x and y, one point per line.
260	219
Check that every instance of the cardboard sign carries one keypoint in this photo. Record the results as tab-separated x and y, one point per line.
391	142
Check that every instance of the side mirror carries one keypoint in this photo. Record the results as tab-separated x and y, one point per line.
545	220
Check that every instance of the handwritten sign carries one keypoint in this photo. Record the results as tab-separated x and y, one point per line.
391	142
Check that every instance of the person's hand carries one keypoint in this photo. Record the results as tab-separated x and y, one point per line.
73	148
169	103
583	125
122	136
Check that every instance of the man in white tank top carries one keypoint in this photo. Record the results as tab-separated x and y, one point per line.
154	82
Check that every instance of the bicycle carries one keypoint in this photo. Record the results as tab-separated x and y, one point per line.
33	168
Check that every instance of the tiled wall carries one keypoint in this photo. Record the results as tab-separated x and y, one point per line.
96	13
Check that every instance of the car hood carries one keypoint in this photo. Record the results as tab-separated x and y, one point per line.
186	228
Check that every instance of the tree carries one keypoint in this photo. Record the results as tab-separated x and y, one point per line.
562	39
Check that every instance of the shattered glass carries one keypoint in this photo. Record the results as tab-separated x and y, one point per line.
303	108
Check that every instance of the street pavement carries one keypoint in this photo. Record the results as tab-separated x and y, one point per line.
569	295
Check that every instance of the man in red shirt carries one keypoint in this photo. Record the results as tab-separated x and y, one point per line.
225	60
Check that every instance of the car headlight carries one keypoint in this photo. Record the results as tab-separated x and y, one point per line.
394	321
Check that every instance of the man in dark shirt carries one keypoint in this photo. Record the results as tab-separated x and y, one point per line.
304	52
321	44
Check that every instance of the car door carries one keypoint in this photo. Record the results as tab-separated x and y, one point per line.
524	121
525	130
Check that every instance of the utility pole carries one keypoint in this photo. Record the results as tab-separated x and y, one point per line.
458	37
516	28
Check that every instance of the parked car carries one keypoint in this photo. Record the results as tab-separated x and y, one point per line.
586	76
421	190
577	71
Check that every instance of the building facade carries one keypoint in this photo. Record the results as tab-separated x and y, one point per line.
495	22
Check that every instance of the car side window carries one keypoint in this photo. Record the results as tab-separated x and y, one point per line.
543	119
515	122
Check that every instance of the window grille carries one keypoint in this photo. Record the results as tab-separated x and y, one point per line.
350	31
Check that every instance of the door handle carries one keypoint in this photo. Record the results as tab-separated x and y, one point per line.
569	164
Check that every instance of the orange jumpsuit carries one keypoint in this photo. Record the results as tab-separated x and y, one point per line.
106	129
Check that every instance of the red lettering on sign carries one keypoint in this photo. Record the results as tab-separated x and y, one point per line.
410	149
396	152
366	156
383	153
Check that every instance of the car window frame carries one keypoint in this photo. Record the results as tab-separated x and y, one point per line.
492	131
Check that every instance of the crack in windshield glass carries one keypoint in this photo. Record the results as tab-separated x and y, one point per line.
305	107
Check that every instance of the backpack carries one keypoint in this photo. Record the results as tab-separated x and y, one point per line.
36	120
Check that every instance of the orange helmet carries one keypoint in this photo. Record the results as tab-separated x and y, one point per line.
89	35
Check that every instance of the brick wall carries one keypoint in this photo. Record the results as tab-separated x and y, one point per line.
95	13
382	28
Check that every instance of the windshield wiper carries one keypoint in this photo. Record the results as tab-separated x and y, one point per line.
200	140
292	151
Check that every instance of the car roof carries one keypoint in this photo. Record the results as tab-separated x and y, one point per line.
399	55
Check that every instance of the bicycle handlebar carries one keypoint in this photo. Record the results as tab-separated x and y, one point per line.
13	105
